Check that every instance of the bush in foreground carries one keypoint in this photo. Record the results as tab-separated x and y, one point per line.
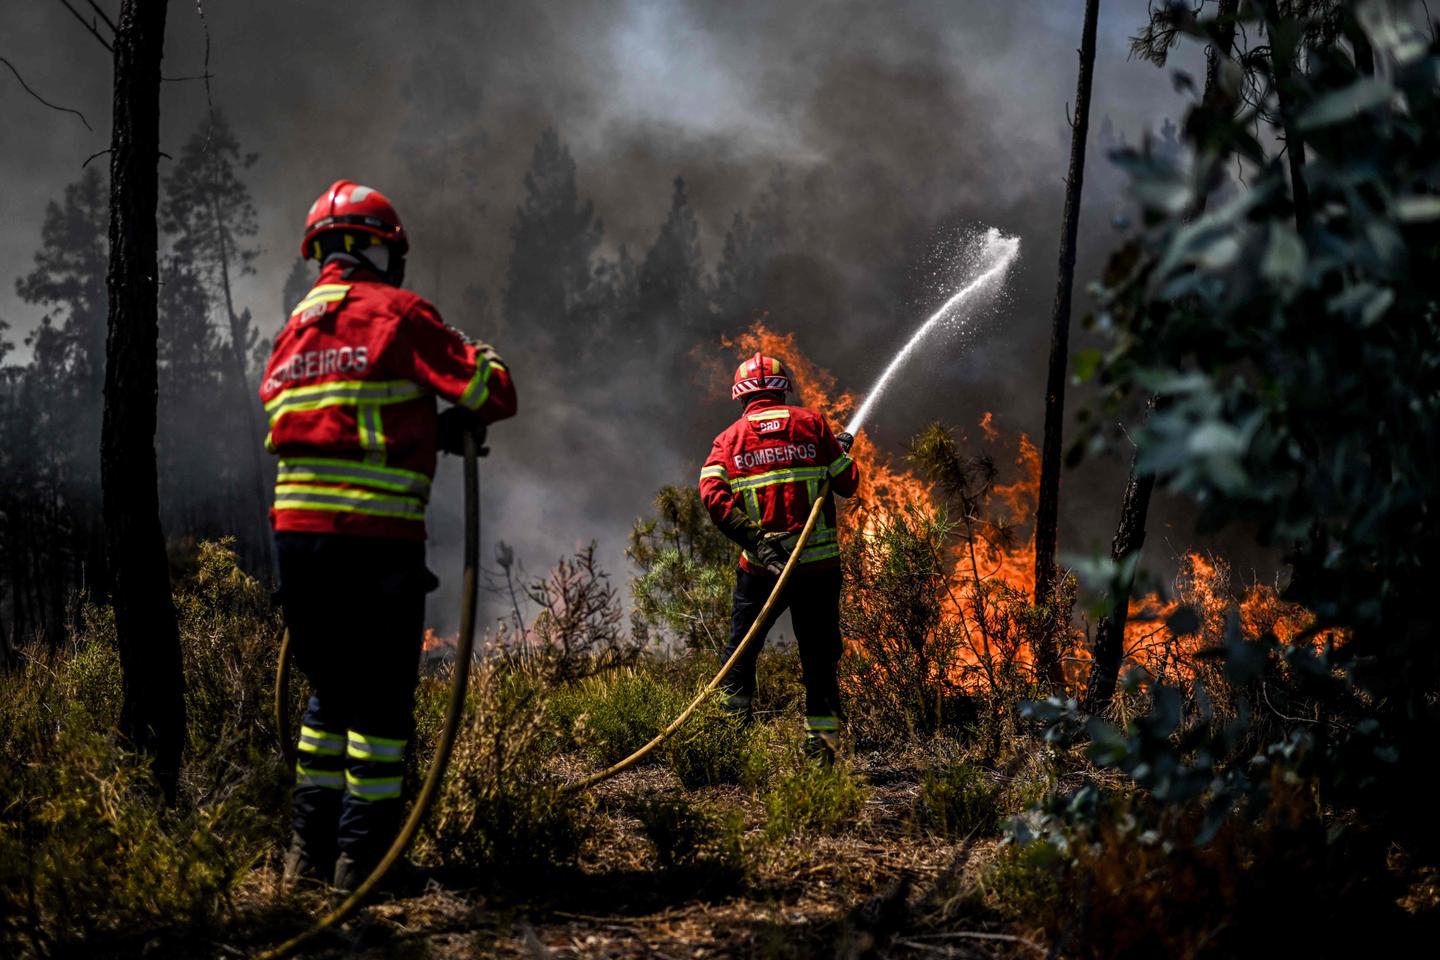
814	799
694	836
498	808
87	847
958	800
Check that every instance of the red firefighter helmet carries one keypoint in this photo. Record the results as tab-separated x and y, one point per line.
760	373
349	206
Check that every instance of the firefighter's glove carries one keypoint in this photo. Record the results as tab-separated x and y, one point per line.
772	552
845	440
738	526
454	423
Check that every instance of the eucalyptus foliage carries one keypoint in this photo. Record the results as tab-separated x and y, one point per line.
1293	347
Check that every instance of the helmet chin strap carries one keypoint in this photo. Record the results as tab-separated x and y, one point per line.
389	266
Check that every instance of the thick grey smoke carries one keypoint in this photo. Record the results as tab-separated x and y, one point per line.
894	125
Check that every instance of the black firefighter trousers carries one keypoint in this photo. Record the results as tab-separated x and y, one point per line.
355	607
813	599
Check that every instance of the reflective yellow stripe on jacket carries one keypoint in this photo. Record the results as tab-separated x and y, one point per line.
301	496
324	470
341	393
823	543
324	294
478	390
772	477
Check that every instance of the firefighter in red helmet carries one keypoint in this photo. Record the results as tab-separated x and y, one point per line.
759	484
350	391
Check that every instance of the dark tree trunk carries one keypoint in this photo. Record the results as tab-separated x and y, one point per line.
1109	645
1110	632
152	712
1217	53
1047	513
1282	67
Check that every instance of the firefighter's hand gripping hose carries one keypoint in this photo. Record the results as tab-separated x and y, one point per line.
600	776
459	684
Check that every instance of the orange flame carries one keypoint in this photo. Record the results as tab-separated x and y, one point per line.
998	563
435	644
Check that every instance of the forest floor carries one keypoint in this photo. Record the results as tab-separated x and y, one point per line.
850	894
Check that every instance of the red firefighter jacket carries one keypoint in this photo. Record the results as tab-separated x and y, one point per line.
771	463
350	394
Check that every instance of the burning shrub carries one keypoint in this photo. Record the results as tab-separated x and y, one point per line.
497	806
814	799
578	630
903	650
687	571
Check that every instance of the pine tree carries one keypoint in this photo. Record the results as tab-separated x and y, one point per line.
554	236
671	294
189	448
747	263
1047	512
211	218
58	535
68	280
297	283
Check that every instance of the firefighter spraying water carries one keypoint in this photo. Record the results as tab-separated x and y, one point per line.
768	485
764	476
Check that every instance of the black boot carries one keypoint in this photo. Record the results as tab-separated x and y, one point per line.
822	747
301	863
348	875
403	879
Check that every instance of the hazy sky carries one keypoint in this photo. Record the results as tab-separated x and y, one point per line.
903	121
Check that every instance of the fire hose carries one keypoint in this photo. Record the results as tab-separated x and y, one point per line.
459	683
431	788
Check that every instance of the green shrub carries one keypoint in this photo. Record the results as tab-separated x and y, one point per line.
687	572
780	688
689	835
714	746
814	799
1024	881
497	807
87	849
958	800
612	715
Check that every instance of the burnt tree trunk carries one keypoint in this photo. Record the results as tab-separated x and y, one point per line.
1109	645
1047	513
152	711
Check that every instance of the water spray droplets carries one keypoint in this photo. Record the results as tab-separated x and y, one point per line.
984	265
